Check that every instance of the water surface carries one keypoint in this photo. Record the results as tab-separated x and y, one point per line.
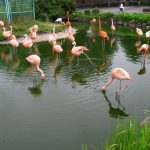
68	109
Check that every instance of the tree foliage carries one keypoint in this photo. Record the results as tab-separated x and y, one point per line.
50	10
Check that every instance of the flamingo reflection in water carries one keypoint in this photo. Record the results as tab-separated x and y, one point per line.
115	112
36	88
142	69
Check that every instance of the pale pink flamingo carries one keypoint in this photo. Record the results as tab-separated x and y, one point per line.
2	24
6	34
117	73
70	36
147	34
102	33
32	34
52	36
27	42
93	21
35	60
144	49
113	28
77	50
56	47
139	32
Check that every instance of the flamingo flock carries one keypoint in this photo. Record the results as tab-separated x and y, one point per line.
35	60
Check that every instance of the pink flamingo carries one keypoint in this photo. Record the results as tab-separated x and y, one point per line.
35	60
77	50
113	28
1	24
6	34
139	32
70	36
144	49
117	73
27	42
56	47
102	34
93	21
52	36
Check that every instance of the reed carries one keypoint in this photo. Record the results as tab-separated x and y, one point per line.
130	136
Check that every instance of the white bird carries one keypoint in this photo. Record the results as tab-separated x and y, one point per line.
139	32
59	20
147	34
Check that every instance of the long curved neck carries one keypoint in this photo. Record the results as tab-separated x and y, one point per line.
108	83
99	21
74	45
68	15
41	71
112	23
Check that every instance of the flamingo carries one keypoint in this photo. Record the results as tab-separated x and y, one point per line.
52	36
6	34
68	23
56	47
70	36
1	24
77	50
59	20
35	60
32	34
102	34
144	49
117	73
113	28
27	42
147	34
139	32
93	21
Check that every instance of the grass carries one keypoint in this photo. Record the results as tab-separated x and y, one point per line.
20	29
131	136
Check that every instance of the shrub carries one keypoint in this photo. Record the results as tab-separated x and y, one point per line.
87	12
95	11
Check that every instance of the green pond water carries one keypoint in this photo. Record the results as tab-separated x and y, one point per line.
67	109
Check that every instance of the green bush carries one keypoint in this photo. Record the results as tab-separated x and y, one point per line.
87	12
95	11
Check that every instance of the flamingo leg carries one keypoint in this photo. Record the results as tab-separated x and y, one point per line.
88	58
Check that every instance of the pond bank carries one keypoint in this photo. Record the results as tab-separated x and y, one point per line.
43	37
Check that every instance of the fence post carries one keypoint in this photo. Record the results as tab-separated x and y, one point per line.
7	2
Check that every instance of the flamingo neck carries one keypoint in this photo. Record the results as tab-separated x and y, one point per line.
100	28
41	71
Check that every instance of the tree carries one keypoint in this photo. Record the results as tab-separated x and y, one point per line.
50	10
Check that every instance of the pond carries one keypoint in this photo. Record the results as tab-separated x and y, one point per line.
68	109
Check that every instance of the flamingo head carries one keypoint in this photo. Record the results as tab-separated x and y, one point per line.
74	43
68	23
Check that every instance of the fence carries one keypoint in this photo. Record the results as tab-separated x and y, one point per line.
16	10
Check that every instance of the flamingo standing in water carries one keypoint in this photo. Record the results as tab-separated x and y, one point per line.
13	40
56	47
70	36
102	33
117	73
27	42
33	32
52	36
144	49
35	60
77	50
113	28
139	32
